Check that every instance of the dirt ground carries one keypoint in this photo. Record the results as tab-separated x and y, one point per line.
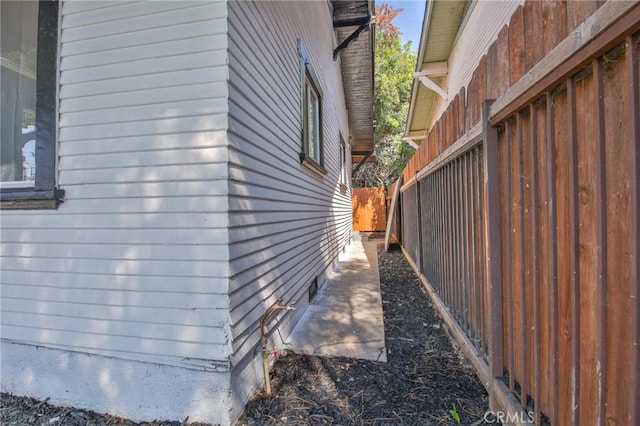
426	380
425	376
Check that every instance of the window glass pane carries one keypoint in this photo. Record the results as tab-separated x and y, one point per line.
312	123
343	163
316	128
18	53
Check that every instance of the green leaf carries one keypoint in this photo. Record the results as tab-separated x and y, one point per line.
454	414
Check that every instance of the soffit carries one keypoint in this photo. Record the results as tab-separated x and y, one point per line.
442	22
357	70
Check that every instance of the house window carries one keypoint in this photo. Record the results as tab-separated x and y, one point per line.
312	149
28	58
344	179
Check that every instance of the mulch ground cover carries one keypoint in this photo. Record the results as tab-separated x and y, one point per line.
23	411
426	380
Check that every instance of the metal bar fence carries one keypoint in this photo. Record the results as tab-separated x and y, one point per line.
450	200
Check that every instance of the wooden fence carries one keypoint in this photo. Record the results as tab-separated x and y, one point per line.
369	208
522	217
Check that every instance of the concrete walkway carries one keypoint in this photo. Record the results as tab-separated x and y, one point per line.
345	319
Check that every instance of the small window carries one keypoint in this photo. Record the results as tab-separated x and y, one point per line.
312	149
344	179
28	58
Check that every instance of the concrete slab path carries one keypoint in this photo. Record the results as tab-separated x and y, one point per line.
345	318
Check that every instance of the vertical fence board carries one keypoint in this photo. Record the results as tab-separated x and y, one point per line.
534	31
460	113
457	264
418	251
486	285
518	208
563	141
469	309
574	252
578	11
517	56
588	255
477	93
554	21
601	239
618	169
535	261
473	254
439	241
633	84
552	248
464	215
493	165
527	230
507	251
449	238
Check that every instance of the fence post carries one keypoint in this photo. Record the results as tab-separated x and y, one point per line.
419	223
492	221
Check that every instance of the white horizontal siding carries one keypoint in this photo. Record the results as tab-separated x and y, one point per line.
121	283
287	224
134	263
481	30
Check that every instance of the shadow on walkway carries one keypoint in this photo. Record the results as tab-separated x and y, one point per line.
345	319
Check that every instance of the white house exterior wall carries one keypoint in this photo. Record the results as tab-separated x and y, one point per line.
287	223
131	272
481	30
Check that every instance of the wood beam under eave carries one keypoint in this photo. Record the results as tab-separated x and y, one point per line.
430	84
410	142
434	69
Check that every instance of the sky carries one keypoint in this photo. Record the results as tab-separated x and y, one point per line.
409	21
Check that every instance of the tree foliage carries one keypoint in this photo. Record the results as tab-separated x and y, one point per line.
394	66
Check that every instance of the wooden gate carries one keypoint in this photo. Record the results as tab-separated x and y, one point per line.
369	209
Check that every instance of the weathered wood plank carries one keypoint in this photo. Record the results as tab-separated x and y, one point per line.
619	150
570	55
517	46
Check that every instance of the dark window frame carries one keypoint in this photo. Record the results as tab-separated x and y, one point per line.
310	78
43	194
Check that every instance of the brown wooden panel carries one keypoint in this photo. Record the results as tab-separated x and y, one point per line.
588	241
516	279
451	124
507	250
433	148
446	129
439	137
534	33
564	235
552	301
369	209
540	242
578	11
462	111
528	253
455	108
498	68
477	93
601	242
619	258
517	45
633	85
554	22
